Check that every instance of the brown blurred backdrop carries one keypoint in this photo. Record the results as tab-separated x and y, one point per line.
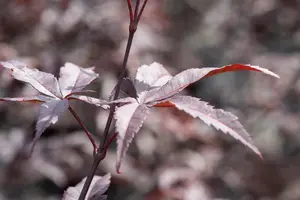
173	156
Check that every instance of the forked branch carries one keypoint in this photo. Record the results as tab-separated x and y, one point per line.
101	153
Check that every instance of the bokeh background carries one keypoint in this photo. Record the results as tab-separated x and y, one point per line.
173	156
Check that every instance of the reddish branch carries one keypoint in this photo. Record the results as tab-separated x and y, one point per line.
85	129
142	10
130	10
107	144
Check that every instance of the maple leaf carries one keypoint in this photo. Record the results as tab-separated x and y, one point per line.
155	87
96	191
55	94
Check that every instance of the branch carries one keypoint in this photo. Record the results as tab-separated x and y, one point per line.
118	87
130	10
136	10
101	153
105	147
98	158
85	129
141	11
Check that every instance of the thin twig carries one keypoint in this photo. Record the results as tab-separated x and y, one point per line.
107	144
130	10
136	10
85	129
90	176
98	158
142	10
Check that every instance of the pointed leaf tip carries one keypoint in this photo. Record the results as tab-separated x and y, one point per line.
189	76
129	119
153	75
221	120
237	67
11	64
50	111
43	82
266	71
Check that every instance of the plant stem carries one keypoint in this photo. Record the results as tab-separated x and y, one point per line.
142	10
136	10
118	87
132	30
101	153
85	129
97	159
106	146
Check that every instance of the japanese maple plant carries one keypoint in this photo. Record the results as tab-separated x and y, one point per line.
153	86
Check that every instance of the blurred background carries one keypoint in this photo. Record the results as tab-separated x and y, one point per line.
173	156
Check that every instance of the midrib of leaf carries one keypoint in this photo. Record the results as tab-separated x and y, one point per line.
168	95
76	81
154	82
129	134
127	125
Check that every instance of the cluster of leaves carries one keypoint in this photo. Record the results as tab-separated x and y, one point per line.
55	93
153	87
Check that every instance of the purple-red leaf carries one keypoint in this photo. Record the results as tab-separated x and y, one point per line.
43	82
236	67
153	75
74	78
189	76
156	87
127	90
49	114
72	81
129	119
98	187
221	120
